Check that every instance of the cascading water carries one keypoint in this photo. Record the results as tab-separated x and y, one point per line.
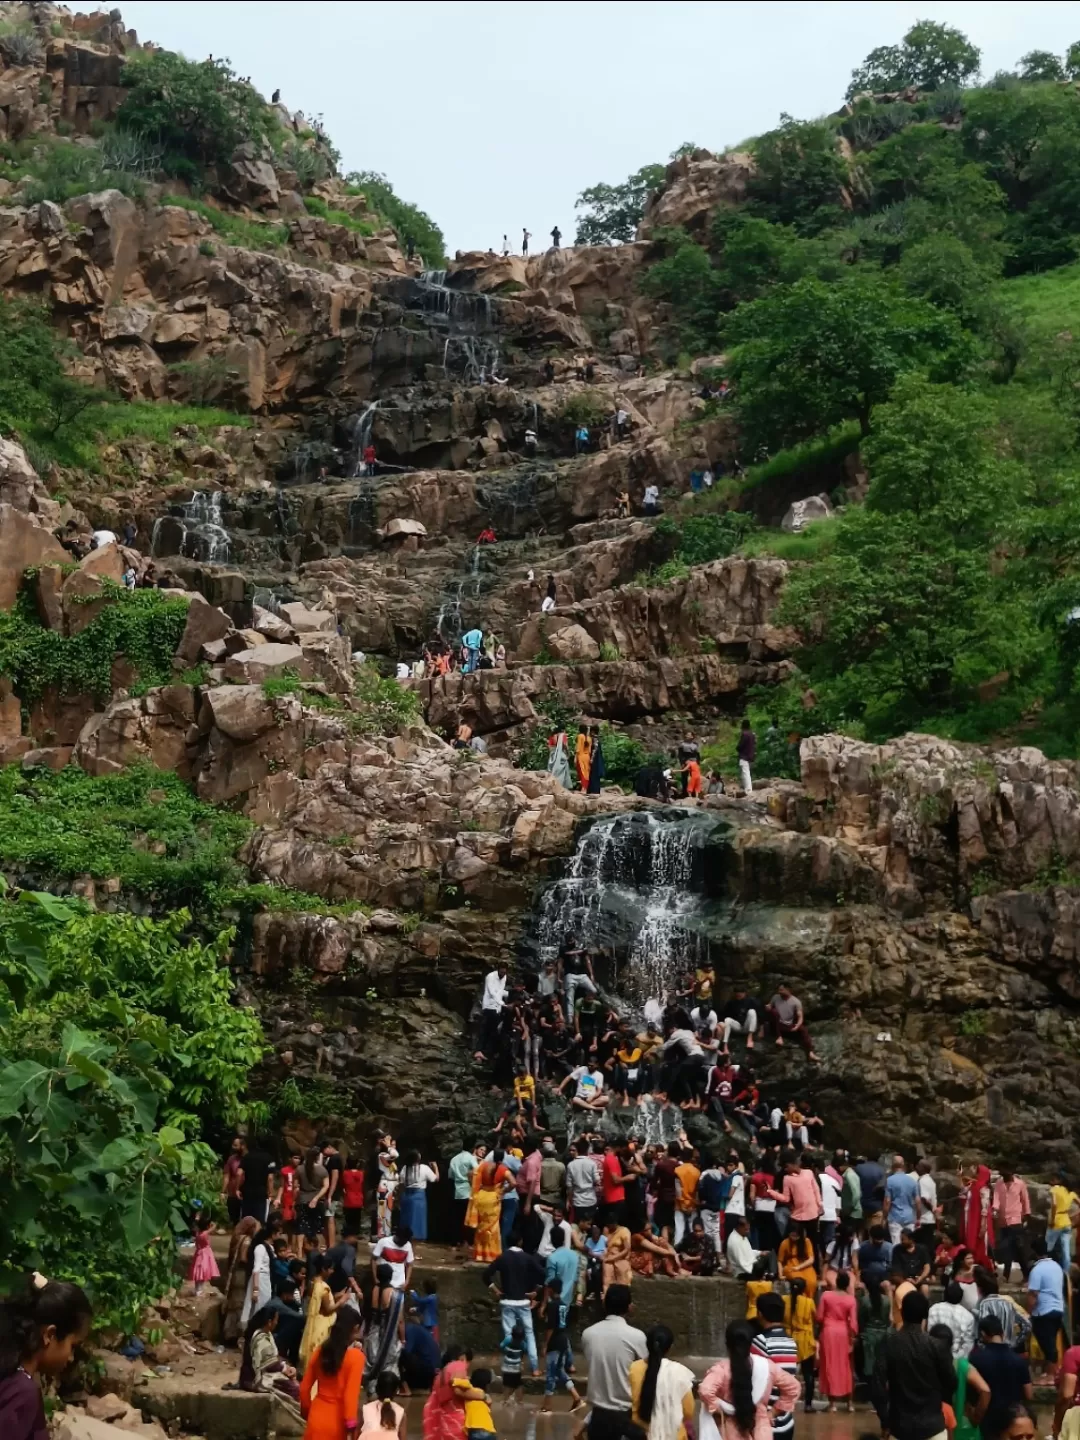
631	888
463	588
362	434
204	536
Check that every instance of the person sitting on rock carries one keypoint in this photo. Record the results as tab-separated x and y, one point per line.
786	1018
588	1089
486	536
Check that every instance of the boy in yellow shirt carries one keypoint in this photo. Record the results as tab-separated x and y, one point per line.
478	1421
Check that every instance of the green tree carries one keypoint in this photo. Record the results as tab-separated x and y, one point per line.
1072	60
612	212
812	355
687	281
943	270
930	56
118	1038
1041	65
411	224
753	255
800	178
198	111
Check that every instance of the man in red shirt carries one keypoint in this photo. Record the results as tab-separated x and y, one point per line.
612	1187
285	1200
663	1187
352	1196
1011	1208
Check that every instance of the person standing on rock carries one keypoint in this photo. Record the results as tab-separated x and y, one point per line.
530	444
583	756
548	603
492	1005
556	237
506	247
901	1200
1011	1208
746	752
650	501
525	238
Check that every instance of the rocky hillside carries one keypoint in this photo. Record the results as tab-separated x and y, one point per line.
203	327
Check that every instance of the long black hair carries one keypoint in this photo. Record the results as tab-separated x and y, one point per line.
386	1387
261	1317
740	1337
27	1312
265	1235
332	1355
658	1342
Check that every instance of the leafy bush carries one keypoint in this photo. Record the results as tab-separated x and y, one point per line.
409	223
799	177
197	111
385	706
930	56
700	539
587	407
555	715
117	1035
142	626
20	46
143	826
310	163
38	401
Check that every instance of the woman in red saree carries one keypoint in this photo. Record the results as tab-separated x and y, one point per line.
444	1411
978	1217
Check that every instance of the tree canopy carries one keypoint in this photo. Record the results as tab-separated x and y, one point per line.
931	55
612	213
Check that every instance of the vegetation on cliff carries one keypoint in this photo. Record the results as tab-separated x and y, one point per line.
903	271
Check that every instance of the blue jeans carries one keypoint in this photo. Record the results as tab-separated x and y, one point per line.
1059	1246
508	1216
515	1314
557	1377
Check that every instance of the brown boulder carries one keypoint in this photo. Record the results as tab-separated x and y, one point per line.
205	623
242	712
23	544
572	643
252	667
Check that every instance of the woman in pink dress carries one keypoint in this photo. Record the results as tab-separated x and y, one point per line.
737	1390
837	1316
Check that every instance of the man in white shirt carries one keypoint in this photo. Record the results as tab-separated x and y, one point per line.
581	1183
588	1087
830	1206
491	1008
703	1018
396	1251
741	1255
650	502
927	1208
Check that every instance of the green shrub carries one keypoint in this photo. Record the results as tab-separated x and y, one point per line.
141	626
142	826
197	111
586	407
308	161
410	224
608	651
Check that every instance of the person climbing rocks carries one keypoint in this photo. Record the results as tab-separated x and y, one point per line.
548	603
556	237
525	238
472	641
746	753
549	371
581	439
487	536
622	505
650	501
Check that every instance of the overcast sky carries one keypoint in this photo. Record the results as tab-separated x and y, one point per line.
495	116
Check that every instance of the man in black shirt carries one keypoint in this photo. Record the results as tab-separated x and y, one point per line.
742	1014
257	1185
912	1259
1006	1372
913	1377
515	1277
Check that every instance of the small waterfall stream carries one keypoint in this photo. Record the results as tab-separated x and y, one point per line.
632	888
460	590
203	533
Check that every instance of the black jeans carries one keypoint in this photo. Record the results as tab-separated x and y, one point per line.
1009	1247
613	1425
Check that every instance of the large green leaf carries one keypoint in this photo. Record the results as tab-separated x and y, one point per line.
119	1154
18	1082
146	1213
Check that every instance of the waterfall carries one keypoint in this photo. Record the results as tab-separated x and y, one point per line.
453	597
631	887
204	536
362	433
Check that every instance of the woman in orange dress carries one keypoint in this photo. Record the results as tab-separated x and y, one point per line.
330	1394
485	1209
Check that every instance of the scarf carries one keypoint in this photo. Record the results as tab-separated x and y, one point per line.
760	1384
672	1383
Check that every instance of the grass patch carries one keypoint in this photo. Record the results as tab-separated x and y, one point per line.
159	420
813	455
245	234
808	544
315	206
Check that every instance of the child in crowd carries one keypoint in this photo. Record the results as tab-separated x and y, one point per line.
478	1422
204	1267
557	1347
426	1308
799	1324
352	1196
513	1348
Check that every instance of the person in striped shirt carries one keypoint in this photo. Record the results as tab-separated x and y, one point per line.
774	1343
